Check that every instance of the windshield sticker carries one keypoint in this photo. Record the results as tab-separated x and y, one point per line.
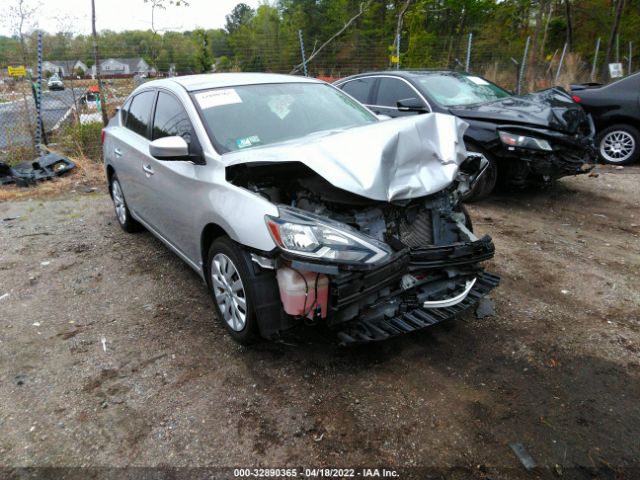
218	98
478	80
280	105
247	141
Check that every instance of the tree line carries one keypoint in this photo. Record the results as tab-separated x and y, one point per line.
363	35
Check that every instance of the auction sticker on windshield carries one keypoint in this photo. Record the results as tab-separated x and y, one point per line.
218	98
478	80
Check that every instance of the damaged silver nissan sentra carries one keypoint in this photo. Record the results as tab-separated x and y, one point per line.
298	205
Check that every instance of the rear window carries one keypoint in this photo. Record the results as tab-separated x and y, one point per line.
137	119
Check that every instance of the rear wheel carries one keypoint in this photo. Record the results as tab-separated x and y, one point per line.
126	221
231	281
619	144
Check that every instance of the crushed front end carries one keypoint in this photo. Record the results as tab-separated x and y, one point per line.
368	269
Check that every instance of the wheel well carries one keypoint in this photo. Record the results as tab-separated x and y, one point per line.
618	120
210	233
110	172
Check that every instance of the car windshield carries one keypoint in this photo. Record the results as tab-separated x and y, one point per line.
454	90
251	115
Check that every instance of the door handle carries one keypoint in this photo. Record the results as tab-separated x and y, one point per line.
147	169
117	152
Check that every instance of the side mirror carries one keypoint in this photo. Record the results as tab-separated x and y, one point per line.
411	105
169	148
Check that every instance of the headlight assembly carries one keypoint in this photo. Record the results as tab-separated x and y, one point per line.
307	235
514	140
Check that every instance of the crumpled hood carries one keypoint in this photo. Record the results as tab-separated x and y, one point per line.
552	108
408	157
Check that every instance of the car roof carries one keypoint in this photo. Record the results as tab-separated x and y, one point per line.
217	80
404	73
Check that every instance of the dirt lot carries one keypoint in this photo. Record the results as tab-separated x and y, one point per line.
110	354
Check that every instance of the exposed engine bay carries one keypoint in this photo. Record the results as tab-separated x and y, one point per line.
413	262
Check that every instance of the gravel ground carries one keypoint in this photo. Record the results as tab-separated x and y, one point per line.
110	355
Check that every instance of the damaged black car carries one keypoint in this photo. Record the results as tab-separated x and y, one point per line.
530	139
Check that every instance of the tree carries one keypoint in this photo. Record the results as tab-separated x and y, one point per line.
239	16
159	5
19	18
203	60
612	38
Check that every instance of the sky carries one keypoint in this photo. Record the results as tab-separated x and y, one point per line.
121	15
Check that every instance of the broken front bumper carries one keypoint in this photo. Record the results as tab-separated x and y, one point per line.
372	328
378	304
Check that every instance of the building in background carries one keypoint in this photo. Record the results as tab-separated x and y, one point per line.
64	68
124	66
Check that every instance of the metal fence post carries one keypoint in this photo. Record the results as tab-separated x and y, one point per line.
523	65
595	61
468	62
398	52
618	48
304	60
38	99
564	51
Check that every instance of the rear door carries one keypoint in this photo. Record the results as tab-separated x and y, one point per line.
361	89
390	90
131	147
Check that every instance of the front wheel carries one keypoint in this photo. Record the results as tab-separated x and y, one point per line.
231	280
619	144
487	182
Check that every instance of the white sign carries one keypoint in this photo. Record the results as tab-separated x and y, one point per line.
478	80
217	98
616	70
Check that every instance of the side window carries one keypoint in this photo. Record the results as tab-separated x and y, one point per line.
123	112
359	88
139	112
390	90
171	119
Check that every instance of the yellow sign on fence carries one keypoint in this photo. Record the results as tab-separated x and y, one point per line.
17	71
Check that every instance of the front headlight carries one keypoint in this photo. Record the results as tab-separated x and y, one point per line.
520	141
307	235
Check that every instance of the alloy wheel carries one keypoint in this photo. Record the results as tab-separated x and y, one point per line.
229	292
617	146
118	202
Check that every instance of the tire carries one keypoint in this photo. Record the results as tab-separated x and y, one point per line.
619	144
487	183
123	215
234	303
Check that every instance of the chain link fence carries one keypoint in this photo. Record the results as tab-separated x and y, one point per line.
71	115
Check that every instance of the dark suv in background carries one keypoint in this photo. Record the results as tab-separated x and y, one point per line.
528	139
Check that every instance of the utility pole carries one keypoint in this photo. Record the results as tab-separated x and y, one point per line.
468	62
96	60
304	60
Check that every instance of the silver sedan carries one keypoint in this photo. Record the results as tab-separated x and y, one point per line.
298	206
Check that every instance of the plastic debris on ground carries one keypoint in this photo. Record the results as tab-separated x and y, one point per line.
523	455
42	168
485	308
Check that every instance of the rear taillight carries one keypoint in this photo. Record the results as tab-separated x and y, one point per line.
576	98
102	137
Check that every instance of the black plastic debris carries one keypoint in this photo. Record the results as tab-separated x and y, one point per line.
485	308
29	173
